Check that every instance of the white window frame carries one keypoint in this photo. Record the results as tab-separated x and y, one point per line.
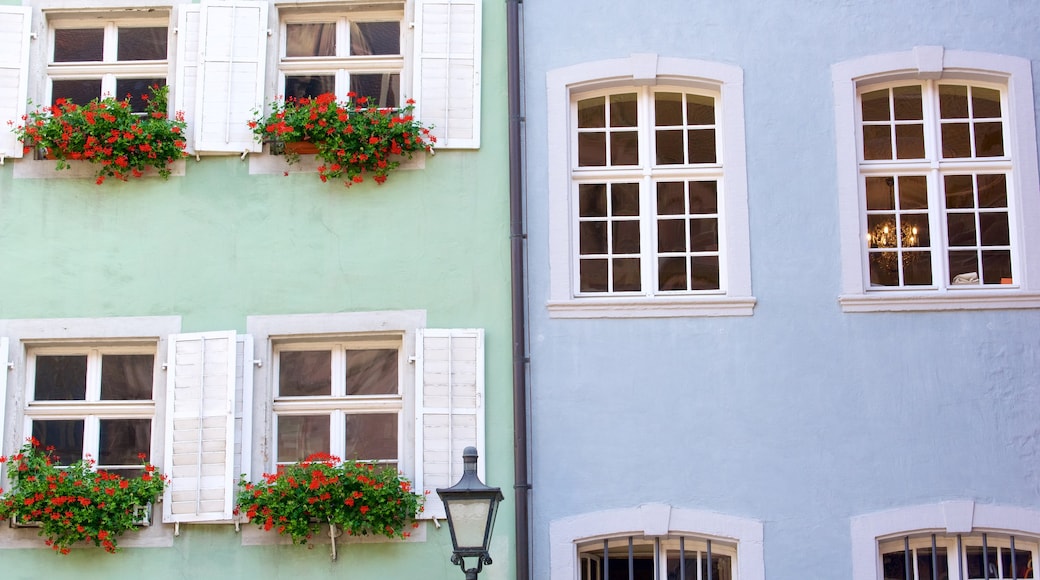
872	531
652	520
725	82
24	335
1014	76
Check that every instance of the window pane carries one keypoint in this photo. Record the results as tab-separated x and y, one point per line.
668	109
121	440
875	105
704	197
953	102
626	237
704	235
372	372
626	275
989	140
993	190
884	269
134	88
669	147
371	437
985	103
310	39
907	102
593	275
702	145
623	110
624	199
704	272
913	192
64	435
80	91
79	44
309	86
877	142
302	435
61	378
914	232
965	265
956	140
671	236
671	274
592	200
700	110
917	268
993	227
961	229
592	238
624	148
592	149
304	373
996	266
142	43
881	229
375	38
381	89
910	141
670	198
592	113
881	193
127	377
959	192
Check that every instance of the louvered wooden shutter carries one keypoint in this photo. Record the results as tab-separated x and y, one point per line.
200	427
447	77
449	389
4	359
187	72
232	53
14	74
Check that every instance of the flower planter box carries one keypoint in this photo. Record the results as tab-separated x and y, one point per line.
292	147
142	517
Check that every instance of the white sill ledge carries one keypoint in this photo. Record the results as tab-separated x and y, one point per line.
702	306
29	168
264	163
933	301
252	535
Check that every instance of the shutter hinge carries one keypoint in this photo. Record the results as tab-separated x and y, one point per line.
411	360
411	25
258	363
165	366
34	35
10	366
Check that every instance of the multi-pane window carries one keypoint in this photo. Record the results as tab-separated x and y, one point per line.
936	185
644	558
95	402
356	53
340	397
991	556
118	58
647	177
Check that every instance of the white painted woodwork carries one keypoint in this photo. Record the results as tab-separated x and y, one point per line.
14	74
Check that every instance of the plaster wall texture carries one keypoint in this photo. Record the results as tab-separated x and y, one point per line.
799	416
217	245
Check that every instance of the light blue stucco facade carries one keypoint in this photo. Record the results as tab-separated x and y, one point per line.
803	415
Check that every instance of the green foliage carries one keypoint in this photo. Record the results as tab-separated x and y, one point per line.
352	140
107	133
75	503
358	498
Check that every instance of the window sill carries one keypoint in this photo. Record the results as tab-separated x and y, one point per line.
932	301
266	164
701	306
29	168
254	536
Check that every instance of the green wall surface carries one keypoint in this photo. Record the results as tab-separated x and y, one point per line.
217	245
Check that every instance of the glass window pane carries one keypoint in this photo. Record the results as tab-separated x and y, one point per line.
989	139
668	109
127	377
147	43
960	228
302	435
985	103
671	273
304	373
702	145
592	200
79	44
910	141
371	437
993	190
624	199
626	275
121	440
884	269
704	273
592	149
670	196
704	235
913	192
880	193
624	148
310	39
993	227
64	435
381	89
375	38
308	86
669	147
626	237
953	102
907	103
924	564
623	111
671	236
917	268
593	275
592	238
956	140
700	110
372	372
592	113
881	229
80	91
959	192
915	232
996	266
135	88
704	197
60	378
966	265
875	105
877	142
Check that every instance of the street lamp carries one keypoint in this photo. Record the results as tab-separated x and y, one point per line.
470	506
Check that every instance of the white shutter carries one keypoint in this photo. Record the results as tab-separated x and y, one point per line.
3	388
449	376
200	426
243	404
232	53
447	75
14	74
187	73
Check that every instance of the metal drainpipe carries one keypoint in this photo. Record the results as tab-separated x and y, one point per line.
517	238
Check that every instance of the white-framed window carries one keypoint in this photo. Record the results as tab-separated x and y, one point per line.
955	540
655	541
104	55
356	53
937	179
648	192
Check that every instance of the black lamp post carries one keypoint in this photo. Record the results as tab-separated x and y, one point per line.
470	506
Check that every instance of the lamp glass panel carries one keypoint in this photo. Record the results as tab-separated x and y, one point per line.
469	519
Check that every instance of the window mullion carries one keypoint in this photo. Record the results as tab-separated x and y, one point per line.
937	225
339	371
91	437
338	434
110	50
647	201
93	391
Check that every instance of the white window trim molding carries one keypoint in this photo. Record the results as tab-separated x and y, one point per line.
649	69
654	520
951	517
933	62
44	330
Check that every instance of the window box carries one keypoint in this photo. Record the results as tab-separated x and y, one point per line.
142	518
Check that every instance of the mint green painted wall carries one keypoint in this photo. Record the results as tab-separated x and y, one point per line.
218	244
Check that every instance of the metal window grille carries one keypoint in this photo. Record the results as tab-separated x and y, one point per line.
658	558
988	556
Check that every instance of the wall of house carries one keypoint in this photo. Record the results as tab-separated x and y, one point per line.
218	244
800	416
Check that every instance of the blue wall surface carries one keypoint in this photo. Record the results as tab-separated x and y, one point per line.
800	416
